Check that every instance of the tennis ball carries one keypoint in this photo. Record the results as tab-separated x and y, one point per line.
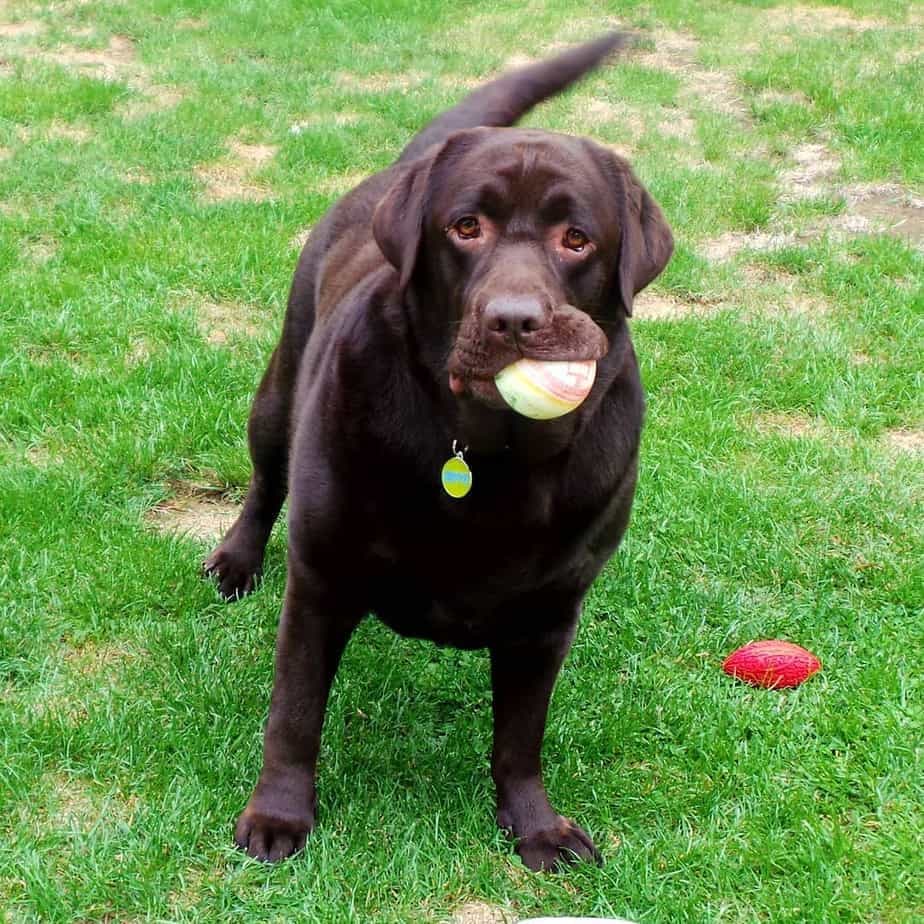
545	390
771	664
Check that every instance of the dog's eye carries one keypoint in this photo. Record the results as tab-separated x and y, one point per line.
575	239
467	227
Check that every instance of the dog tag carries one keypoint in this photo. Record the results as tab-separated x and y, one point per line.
456	475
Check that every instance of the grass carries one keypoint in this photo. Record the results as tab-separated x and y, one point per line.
153	194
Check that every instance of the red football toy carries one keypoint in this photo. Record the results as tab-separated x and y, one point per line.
773	664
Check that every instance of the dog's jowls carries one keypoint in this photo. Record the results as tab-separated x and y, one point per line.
482	244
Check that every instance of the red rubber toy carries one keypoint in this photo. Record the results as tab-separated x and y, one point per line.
773	664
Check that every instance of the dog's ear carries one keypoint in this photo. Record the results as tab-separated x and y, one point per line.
397	223
647	242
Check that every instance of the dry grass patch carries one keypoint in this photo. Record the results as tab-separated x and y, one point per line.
39	249
652	306
64	132
888	208
794	97
909	441
232	176
41	457
139	352
77	804
219	322
481	913
731	243
339	183
28	27
870	209
93	658
117	62
795	426
675	53
813	165
298	240
589	114
194	511
324	119
156	98
819	19
379	83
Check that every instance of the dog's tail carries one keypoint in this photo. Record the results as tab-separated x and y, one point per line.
505	100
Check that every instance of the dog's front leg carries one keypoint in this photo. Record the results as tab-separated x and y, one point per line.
522	677
313	630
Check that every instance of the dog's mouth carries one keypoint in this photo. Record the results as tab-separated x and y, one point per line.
474	364
479	387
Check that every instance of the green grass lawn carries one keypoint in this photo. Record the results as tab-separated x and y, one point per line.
160	163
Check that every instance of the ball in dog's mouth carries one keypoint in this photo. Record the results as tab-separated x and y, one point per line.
545	390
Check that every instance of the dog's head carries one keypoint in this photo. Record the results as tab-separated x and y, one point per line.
525	243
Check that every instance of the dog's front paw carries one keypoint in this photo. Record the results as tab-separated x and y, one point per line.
235	566
557	846
272	835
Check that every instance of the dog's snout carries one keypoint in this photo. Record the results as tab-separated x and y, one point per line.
514	316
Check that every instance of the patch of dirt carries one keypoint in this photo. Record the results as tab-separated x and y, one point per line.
820	19
139	353
679	125
906	440
379	83
481	913
27	27
731	243
870	209
813	165
40	249
156	98
651	306
98	657
117	62
40	457
320	120
137	175
5	153
192	22
592	112
299	240
219	322
778	96
797	426
340	183
675	53
889	209
255	154
194	511
64	132
626	151
232	177
78	804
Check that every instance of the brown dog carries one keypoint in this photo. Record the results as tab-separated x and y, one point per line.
481	245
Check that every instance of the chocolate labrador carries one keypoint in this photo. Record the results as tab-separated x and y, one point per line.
481	245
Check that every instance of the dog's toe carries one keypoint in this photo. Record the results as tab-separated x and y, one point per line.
558	846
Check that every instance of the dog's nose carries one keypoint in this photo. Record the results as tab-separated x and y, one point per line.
514	316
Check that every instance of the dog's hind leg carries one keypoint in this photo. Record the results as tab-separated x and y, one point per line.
236	564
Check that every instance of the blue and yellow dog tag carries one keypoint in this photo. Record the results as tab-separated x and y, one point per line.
456	475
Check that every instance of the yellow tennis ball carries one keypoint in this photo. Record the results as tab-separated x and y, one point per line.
545	390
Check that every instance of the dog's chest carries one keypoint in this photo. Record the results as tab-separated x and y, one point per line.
460	576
